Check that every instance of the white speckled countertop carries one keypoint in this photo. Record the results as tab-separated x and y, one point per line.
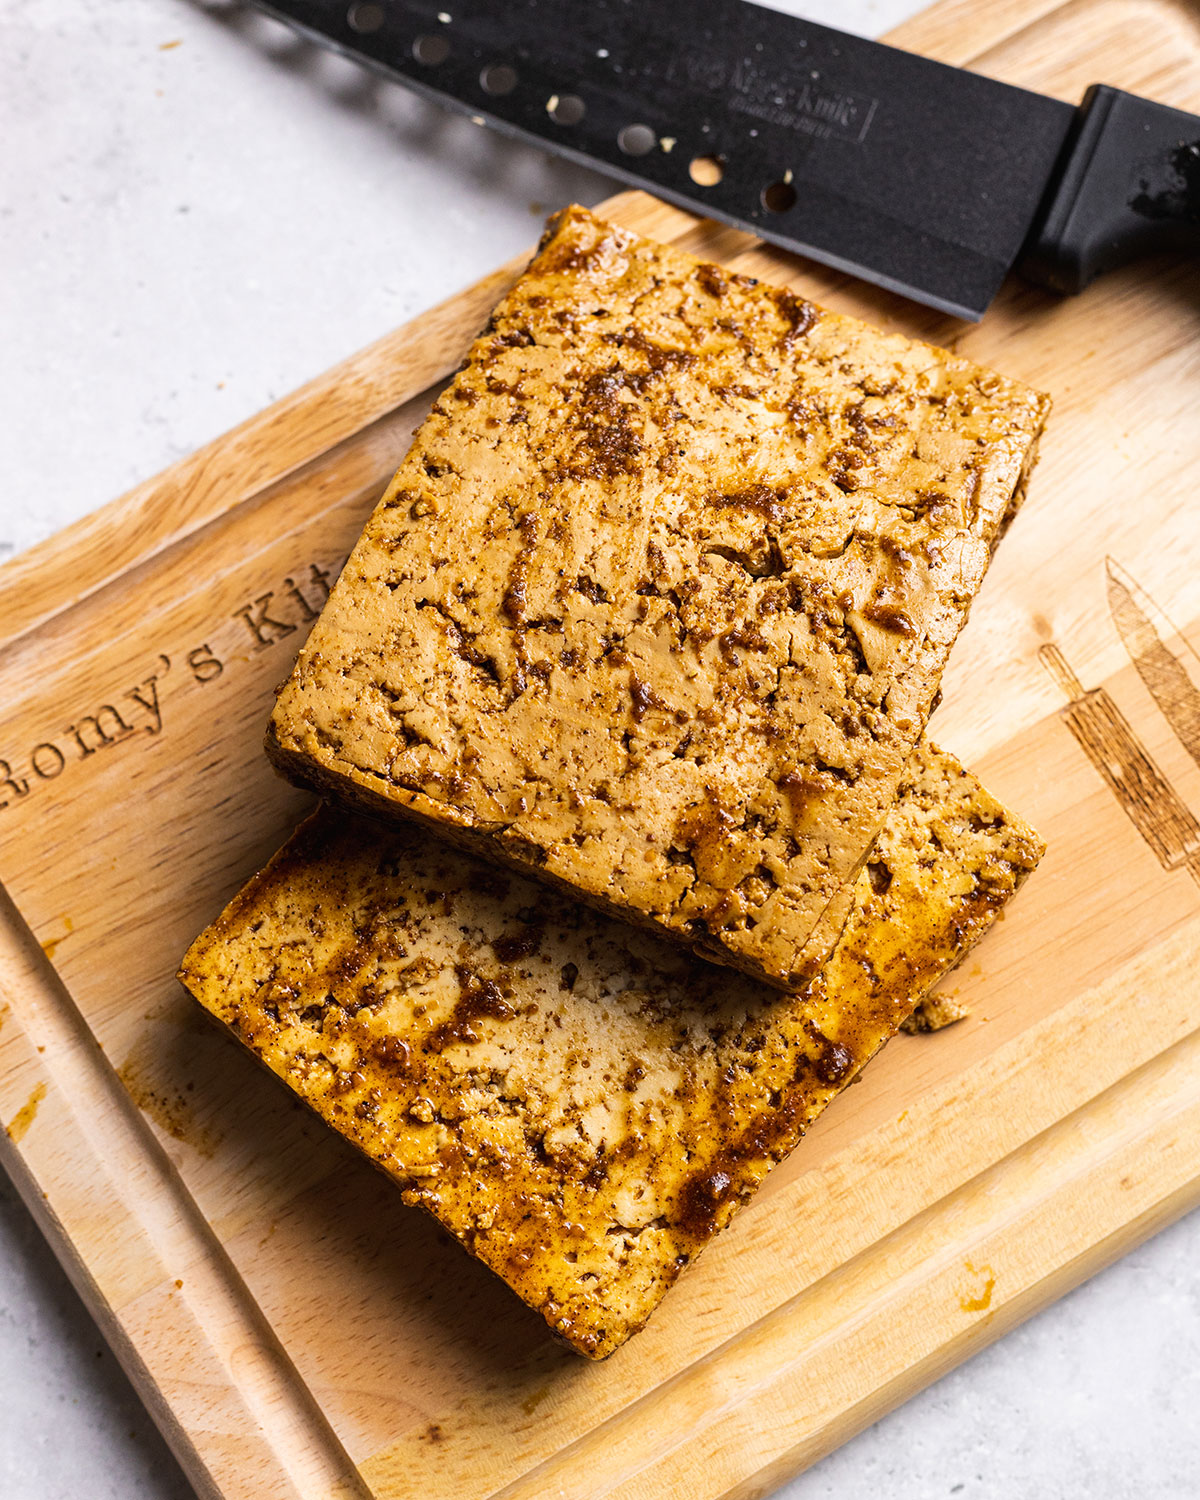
196	219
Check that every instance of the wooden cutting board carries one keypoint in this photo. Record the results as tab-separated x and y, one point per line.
297	1331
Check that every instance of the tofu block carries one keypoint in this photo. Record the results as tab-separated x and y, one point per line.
580	1102
657	605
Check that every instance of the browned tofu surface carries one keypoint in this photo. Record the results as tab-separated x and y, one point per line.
658	603
581	1103
935	1013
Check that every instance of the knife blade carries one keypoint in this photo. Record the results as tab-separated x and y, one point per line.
925	179
1164	674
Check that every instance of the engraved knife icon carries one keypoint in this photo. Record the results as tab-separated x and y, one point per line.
1107	738
1142	627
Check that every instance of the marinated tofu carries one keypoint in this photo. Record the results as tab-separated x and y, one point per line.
657	605
581	1103
935	1013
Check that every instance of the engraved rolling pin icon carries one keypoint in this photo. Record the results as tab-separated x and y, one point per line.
1109	742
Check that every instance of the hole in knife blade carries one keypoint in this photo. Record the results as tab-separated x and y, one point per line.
566	109
636	140
365	18
778	197
431	50
498	78
706	171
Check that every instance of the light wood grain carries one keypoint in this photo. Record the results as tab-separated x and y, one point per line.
295	1329
182	1302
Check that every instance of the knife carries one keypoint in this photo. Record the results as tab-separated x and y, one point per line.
926	179
1166	677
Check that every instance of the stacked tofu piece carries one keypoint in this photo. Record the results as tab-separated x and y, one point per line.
627	679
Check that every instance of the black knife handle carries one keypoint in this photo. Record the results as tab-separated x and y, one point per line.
1129	185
